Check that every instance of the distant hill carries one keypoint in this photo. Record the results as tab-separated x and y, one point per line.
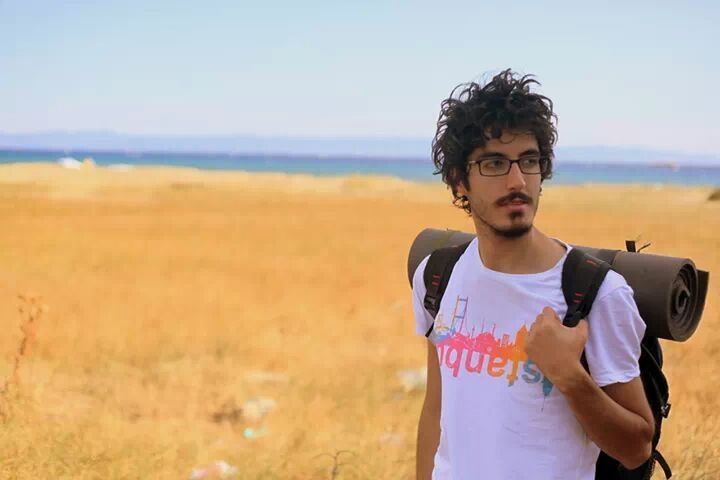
410	148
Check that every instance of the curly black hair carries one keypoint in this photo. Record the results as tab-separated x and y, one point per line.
478	113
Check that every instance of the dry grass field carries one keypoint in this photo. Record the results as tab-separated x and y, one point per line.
173	294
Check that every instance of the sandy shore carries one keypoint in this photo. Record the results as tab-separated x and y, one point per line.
174	293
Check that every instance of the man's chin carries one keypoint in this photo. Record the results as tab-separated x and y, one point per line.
515	226
512	232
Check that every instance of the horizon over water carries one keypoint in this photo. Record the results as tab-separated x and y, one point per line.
414	169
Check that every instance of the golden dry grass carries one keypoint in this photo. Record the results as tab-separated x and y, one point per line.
167	287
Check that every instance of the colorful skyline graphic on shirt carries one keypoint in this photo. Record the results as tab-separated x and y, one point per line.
484	353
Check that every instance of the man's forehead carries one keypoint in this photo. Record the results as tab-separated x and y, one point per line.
509	143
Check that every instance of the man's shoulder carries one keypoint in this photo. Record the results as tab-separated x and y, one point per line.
418	277
614	284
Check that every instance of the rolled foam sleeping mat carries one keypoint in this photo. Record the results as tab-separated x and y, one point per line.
670	292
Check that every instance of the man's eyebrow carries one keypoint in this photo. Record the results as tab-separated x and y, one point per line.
530	151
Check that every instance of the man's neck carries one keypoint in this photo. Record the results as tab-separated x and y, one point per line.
533	252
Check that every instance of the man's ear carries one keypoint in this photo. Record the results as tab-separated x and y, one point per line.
461	190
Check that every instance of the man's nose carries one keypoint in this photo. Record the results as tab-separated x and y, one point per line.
515	178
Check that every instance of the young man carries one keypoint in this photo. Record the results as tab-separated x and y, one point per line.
507	395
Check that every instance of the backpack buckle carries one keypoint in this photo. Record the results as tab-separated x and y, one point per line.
665	410
431	304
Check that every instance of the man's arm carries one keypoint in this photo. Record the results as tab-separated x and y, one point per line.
428	436
617	417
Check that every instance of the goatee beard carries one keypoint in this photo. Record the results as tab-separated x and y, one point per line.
513	232
510	232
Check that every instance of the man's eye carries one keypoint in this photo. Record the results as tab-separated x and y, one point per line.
530	161
496	163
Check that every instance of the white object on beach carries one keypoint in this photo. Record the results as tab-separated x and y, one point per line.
391	438
219	469
413	379
70	162
250	433
256	408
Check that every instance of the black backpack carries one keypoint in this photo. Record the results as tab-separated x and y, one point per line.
582	276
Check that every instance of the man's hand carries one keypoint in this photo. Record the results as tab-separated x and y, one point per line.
555	348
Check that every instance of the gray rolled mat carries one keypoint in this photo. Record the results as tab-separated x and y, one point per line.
670	292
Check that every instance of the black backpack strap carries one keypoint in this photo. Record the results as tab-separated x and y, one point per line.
663	464
582	276
437	275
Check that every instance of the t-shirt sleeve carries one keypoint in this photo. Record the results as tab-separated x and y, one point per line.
423	319
615	332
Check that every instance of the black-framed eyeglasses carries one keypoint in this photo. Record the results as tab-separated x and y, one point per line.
499	166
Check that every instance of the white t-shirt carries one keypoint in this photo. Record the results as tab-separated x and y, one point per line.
500	419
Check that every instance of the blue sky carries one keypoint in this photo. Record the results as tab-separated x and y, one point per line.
620	73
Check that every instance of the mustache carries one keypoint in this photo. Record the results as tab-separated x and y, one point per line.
512	197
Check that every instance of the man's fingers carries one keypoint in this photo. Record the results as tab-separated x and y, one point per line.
583	326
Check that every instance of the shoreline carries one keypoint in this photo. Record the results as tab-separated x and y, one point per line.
52	179
48	154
